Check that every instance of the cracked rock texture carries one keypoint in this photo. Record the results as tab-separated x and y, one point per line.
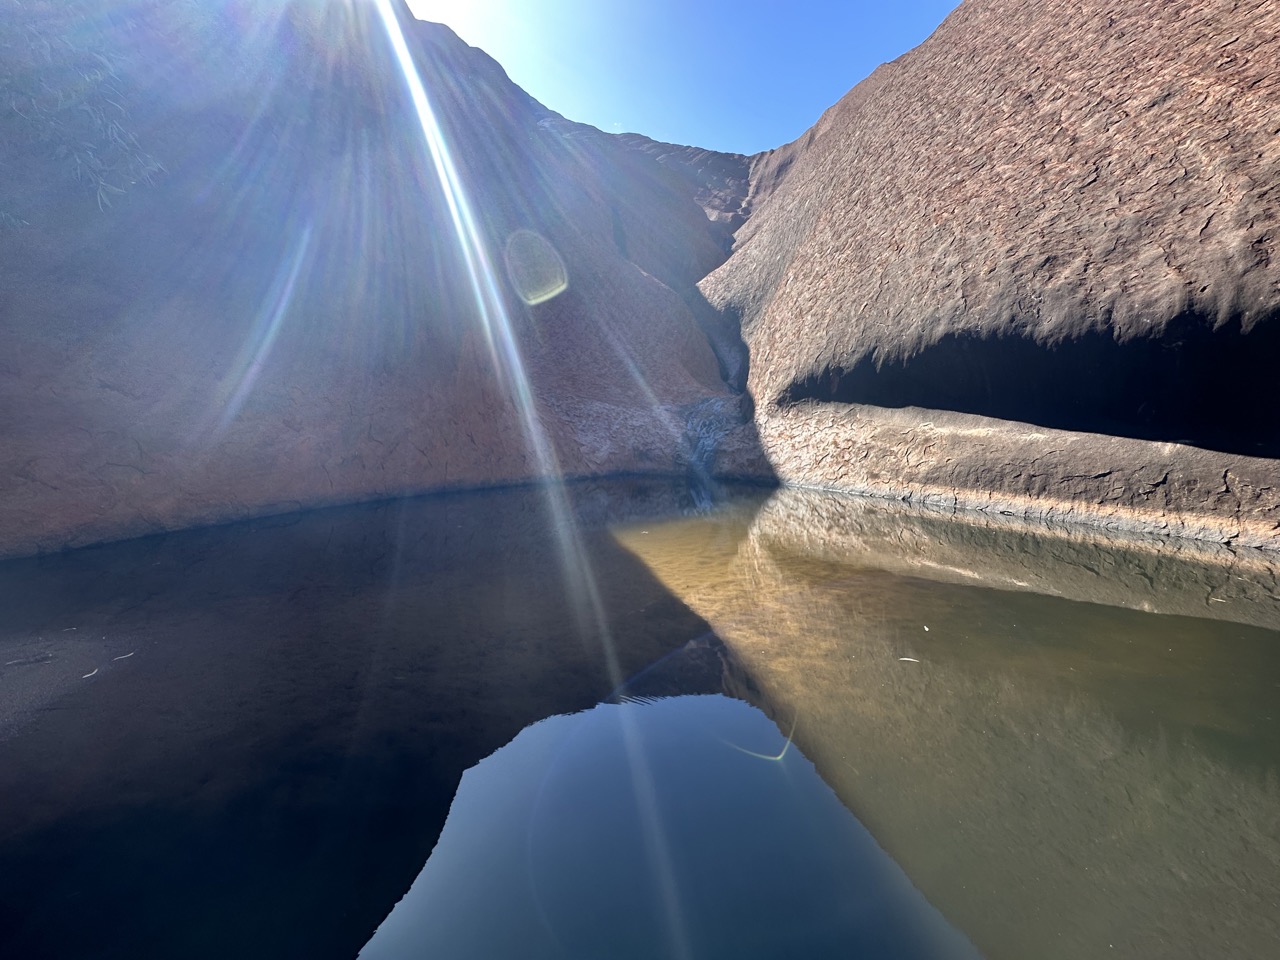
1056	211
285	318
962	461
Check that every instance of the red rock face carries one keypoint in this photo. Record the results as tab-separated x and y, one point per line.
1027	266
286	317
1061	213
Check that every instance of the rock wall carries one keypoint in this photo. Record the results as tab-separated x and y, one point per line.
1055	213
1026	267
286	317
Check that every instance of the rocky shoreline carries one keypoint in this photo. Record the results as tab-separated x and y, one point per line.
965	462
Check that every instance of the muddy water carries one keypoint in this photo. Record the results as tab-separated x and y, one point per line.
1061	775
607	722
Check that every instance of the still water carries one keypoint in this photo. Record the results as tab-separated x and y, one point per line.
681	827
796	724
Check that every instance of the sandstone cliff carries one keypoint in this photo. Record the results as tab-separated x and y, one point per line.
285	315
1055	213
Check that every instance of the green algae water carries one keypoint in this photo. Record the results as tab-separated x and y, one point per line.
612	722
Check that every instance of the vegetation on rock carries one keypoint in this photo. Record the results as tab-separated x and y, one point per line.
65	99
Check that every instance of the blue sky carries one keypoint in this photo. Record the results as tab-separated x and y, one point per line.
734	75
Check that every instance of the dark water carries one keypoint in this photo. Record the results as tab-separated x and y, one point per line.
468	727
681	827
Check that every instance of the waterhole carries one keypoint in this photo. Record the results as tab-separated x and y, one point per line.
613	721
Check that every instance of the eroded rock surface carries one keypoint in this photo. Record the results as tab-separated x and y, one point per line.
1051	212
967	462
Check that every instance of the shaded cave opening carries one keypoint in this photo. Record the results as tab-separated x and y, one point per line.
1218	389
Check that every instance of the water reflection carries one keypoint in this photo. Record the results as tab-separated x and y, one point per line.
1140	572
1060	778
244	741
547	852
267	769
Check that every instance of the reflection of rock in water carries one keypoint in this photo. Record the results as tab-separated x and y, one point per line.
1150	573
1052	792
304	693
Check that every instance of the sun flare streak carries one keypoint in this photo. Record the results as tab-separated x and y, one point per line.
503	349
580	581
504	352
254	357
480	267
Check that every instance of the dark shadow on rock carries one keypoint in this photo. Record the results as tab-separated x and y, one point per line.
724	441
1194	384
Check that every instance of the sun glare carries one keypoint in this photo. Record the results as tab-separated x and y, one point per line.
504	350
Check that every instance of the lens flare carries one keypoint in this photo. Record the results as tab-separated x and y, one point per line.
535	268
772	757
253	355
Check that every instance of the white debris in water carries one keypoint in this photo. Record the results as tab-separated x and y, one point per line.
909	659
926	629
125	657
88	675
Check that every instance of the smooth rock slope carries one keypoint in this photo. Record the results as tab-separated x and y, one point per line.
285	315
